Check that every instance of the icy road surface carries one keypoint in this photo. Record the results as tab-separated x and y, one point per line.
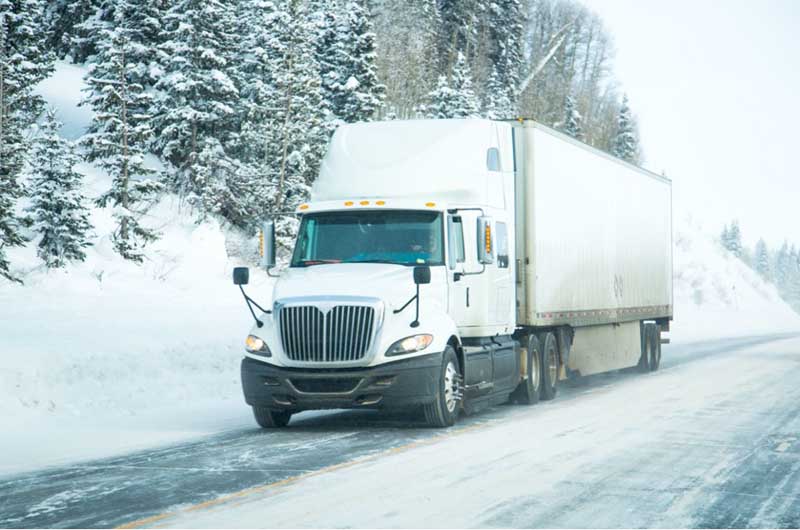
711	440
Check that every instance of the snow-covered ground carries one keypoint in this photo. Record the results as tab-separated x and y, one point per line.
106	356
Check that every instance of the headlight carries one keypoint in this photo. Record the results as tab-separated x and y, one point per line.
254	344
409	345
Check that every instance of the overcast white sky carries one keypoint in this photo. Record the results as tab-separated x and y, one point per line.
715	85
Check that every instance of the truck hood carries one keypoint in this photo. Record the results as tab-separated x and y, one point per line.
394	284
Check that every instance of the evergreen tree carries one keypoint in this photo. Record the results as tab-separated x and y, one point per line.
572	119
360	93
118	138
329	53
454	98
57	208
406	37
197	101
70	24
498	97
725	236
24	61
504	22
458	30
625	144
285	95
762	260
782	267
733	243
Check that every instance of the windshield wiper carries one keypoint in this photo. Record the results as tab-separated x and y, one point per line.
309	262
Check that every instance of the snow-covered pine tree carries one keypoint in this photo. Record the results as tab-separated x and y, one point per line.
64	20
725	236
458	29
24	61
734	241
329	52
782	267
196	104
498	97
57	209
572	119
504	20
286	138
625	143
91	17
359	92
118	138
762	260
454	98
406	36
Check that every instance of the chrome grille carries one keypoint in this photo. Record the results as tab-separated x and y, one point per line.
342	334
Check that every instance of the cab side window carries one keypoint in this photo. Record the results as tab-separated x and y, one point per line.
502	245
457	254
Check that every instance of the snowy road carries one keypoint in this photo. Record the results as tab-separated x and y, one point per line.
713	439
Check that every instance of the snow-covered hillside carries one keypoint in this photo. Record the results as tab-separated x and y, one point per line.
717	295
150	353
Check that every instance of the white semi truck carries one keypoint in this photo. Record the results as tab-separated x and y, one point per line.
450	265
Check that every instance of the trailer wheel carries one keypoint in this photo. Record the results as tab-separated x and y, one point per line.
270	419
549	365
527	393
655	347
647	346
443	411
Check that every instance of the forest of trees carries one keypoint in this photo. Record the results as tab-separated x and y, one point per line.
780	266
238	98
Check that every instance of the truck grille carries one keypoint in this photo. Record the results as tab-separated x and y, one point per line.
342	334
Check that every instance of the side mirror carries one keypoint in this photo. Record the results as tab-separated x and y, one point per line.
267	244
422	275
241	276
485	240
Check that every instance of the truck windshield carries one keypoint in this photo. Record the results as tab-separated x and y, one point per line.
388	236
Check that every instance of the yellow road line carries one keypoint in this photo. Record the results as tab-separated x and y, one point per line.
147	521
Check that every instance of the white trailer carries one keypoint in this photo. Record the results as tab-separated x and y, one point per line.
454	264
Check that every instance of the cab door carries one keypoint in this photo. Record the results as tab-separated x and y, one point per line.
463	302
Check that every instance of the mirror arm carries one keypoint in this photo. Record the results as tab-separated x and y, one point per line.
416	318
406	304
250	301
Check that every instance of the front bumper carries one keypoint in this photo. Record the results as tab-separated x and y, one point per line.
394	385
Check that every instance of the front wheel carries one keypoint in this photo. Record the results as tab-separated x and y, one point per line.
270	419
443	411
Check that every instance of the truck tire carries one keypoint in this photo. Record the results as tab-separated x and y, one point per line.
549	365
655	348
527	393
647	345
443	411
270	419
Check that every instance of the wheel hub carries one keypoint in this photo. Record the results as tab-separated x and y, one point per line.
451	387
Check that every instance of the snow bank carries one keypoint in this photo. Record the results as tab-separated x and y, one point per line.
102	343
717	295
